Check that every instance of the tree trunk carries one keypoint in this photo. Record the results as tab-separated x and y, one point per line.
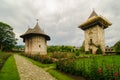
1	47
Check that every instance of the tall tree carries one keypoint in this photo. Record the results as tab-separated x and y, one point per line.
117	46
7	37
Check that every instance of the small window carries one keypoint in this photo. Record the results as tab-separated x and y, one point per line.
39	46
90	41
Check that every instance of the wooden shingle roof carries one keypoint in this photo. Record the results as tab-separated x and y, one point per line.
35	31
94	19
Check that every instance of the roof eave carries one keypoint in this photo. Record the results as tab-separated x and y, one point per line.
92	20
26	35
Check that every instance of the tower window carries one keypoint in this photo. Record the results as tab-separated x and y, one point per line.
90	41
39	46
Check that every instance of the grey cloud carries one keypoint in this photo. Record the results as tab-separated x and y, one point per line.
60	18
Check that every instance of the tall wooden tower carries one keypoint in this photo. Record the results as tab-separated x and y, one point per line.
94	32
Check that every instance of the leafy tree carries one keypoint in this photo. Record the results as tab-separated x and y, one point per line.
117	46
7	37
60	48
82	48
19	47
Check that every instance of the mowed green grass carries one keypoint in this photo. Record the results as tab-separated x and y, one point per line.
3	54
100	60
9	70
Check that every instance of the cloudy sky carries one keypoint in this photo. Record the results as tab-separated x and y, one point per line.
60	18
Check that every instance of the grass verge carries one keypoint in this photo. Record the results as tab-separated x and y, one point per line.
9	70
3	57
58	75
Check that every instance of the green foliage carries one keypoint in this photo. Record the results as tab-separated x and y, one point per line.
45	59
67	65
99	50
51	69
40	64
9	70
117	46
93	68
87	52
82	48
59	55
77	53
18	48
3	57
7	37
59	75
60	49
41	58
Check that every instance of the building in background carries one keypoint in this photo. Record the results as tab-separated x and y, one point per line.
35	41
94	32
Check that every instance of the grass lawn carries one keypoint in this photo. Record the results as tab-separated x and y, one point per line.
51	69
59	75
3	57
9	70
100	61
108	60
2	54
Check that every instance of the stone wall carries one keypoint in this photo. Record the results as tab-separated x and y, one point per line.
36	45
96	36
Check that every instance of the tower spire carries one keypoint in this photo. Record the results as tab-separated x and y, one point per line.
93	14
37	20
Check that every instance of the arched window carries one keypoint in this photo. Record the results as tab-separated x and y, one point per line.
90	42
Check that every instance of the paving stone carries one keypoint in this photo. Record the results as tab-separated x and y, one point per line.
29	71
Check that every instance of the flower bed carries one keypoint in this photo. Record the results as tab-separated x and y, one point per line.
95	68
41	58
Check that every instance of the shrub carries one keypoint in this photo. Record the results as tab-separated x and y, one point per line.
87	52
41	58
99	50
90	70
77	53
66	65
45	59
59	55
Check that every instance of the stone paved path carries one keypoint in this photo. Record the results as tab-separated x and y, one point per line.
29	71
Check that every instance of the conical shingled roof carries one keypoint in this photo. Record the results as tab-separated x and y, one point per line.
28	31
93	14
35	31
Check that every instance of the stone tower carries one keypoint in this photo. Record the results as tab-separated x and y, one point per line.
94	32
35	41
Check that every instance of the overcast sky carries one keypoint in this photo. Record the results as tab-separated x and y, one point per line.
60	18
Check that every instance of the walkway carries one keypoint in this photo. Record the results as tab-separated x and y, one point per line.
29	71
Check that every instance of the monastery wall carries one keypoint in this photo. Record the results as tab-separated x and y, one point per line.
36	45
96	36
